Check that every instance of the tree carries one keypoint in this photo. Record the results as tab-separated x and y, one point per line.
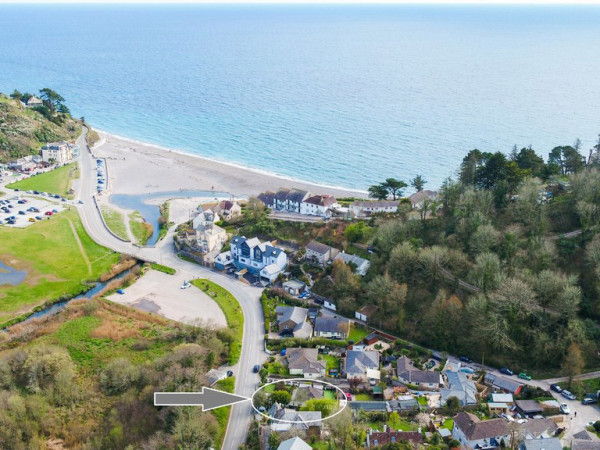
486	272
394	187
453	404
573	363
193	428
341	428
325	405
118	376
378	191
52	99
356	231
274	440
527	158
281	397
355	382
418	183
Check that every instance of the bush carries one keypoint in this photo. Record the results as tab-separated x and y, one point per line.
118	376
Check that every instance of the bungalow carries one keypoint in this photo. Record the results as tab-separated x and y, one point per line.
293	319
320	253
503	384
362	265
528	407
418	199
228	209
331	327
502	398
308	422
293	287
368	406
318	205
389	436
34	102
367	208
472	432
362	364
424	379
461	387
294	443
305	362
365	312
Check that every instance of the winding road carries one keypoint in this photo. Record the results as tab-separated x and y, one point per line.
164	253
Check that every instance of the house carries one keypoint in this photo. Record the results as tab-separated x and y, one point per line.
261	259
305	362
403	403
424	379
320	253
289	200
34	102
367	208
502	398
331	327
536	428
223	260
362	265
293	320
302	394
309	422
389	436
204	218
461	387
418	199
503	384
228	209
472	432
541	444
57	153
294	443
528	407
362	364
584	441
318	205
365	312
24	164
293	287
267	199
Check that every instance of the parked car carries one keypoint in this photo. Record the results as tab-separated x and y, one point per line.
186	284
120	291
564	408
229	373
589	401
22	213
48	213
348	396
36	192
31	219
256	368
466	359
38	217
524	376
568	395
556	388
506	371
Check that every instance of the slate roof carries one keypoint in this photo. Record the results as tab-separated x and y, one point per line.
296	195
537	427
317	247
267	198
294	443
502	383
406	403
542	444
475	429
282	194
367	310
357	361
412	375
305	359
460	387
376	203
368	406
580	444
293	313
418	197
330	324
321	200
528	406
348	258
301	419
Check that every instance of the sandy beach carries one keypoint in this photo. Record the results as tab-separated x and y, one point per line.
137	168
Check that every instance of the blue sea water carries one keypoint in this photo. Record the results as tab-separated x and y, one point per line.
343	95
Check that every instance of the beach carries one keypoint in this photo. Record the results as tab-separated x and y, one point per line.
138	168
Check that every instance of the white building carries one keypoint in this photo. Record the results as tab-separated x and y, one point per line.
261	259
362	265
368	208
318	205
34	102
57	153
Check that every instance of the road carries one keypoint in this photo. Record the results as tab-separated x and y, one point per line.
164	253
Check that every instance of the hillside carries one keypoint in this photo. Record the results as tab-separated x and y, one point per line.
23	131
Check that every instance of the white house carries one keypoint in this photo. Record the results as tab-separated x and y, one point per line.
318	205
367	208
331	327
362	364
472	432
57	152
261	259
305	362
419	198
426	379
288	200
365	312
34	102
362	265
228	209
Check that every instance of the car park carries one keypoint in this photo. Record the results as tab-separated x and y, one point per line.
506	371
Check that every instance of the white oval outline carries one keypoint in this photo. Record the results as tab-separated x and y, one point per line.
344	401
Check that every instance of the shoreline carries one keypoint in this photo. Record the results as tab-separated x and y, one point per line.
234	178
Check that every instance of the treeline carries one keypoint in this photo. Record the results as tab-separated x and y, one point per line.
530	298
59	390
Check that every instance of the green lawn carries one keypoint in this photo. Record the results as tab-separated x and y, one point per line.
332	362
403	425
56	265
364	397
449	424
422	401
357	333
329	394
141	230
57	181
116	222
232	310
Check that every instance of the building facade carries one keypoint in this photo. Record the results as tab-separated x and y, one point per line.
57	153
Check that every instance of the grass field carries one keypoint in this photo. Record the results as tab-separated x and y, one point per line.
57	181
116	222
357	333
332	362
232	310
141	230
55	262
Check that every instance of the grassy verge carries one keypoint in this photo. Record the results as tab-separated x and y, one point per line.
116	222
232	310
92	136
163	220
222	414
140	229
161	268
57	181
55	265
